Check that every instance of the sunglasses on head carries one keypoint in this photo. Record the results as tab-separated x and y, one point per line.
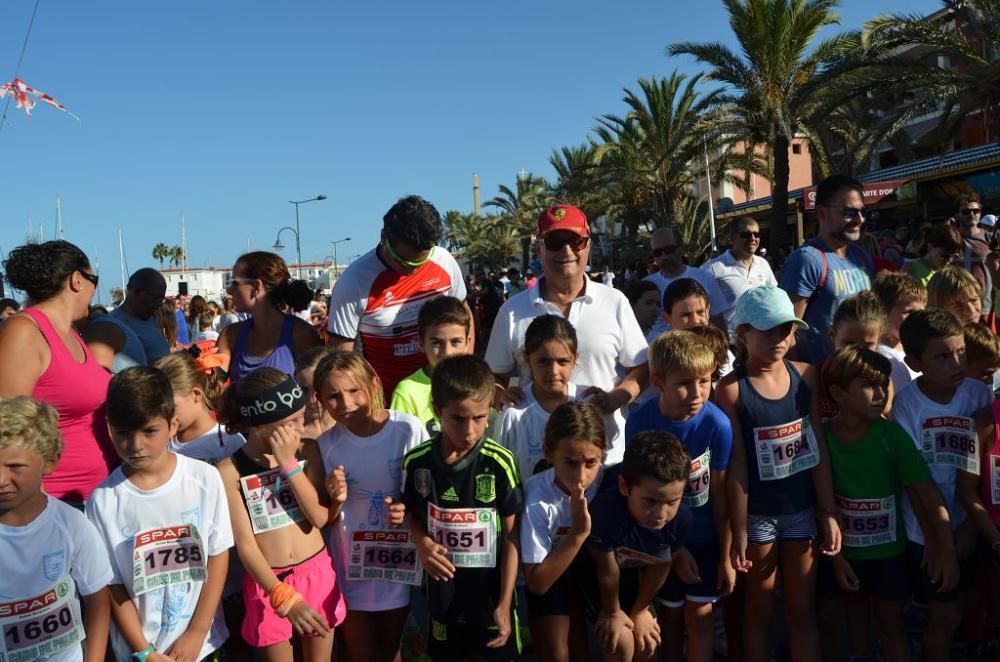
554	242
749	234
664	250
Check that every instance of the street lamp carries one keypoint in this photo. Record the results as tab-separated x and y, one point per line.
278	245
298	245
336	274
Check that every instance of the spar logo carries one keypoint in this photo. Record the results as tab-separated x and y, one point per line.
157	535
382	536
29	605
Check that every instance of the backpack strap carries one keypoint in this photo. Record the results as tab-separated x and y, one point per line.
826	270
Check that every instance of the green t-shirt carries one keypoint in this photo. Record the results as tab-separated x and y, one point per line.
413	396
868	481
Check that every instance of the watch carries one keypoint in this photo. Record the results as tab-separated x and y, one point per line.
143	654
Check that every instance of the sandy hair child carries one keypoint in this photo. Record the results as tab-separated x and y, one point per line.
982	354
779	473
375	560
165	524
859	320
900	295
555	525
681	367
873	462
550	350
956	290
196	391
52	556
444	328
464	494
318	419
274	485
936	410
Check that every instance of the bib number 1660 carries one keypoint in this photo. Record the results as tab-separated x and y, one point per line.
462	539
34	629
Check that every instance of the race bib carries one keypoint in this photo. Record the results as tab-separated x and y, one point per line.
41	626
951	441
384	555
631	558
867	522
785	450
270	509
468	533
699	480
995	478
167	555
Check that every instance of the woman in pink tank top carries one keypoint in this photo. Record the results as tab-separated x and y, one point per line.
43	357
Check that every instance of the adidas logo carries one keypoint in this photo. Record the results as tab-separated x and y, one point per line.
449	495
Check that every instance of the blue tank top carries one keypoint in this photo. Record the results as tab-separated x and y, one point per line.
780	445
282	358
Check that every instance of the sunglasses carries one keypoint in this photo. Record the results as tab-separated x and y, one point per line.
969	211
93	278
749	234
664	250
413	264
554	242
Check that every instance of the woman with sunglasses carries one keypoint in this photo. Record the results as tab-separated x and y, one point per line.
43	357
272	337
942	244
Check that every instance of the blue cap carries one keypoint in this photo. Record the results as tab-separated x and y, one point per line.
764	308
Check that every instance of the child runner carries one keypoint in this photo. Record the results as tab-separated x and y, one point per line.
873	460
718	342
550	350
362	457
52	556
779	474
942	243
638	530
900	295
859	320
685	304
199	435
278	506
556	523
318	419
463	494
982	354
644	297
936	410
956	290
444	328
681	367
165	525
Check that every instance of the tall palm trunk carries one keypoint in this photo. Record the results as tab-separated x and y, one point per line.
780	235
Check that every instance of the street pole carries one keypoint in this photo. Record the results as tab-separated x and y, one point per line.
298	233
336	269
711	206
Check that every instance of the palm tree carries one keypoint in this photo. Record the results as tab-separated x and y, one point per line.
176	255
498	242
951	65
774	79
160	252
522	206
578	179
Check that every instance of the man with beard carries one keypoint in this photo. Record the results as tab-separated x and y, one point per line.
740	268
830	267
977	245
128	335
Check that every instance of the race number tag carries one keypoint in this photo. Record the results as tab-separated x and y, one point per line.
468	533
270	509
386	555
995	478
951	441
168	555
699	480
867	522
785	450
631	558
41	626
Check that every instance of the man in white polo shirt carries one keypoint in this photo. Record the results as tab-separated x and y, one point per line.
667	250
608	334
740	268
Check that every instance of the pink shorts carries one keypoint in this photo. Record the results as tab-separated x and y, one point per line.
314	579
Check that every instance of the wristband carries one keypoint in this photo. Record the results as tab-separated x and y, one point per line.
291	466
288	474
143	654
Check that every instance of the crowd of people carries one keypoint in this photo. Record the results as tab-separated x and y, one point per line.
639	472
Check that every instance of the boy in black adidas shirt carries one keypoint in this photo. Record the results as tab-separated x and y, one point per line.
463	494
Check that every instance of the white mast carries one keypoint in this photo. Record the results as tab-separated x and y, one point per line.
59	228
121	258
184	246
31	232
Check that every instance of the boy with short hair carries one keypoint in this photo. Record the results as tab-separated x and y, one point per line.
982	354
52	556
936	410
681	366
685	304
872	461
956	290
638	531
463	494
444	328
900	295
165	523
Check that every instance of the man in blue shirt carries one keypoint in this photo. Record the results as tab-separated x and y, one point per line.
829	267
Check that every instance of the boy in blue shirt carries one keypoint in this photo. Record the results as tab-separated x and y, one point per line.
681	367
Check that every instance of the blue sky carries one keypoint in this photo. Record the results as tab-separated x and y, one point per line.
225	110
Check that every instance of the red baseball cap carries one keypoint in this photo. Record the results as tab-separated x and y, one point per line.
563	217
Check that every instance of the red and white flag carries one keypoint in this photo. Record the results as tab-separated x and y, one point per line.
25	96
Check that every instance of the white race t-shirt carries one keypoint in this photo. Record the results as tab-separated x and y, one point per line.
607	335
59	556
901	374
192	500
716	301
211	446
547	514
373	466
934	427
734	278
